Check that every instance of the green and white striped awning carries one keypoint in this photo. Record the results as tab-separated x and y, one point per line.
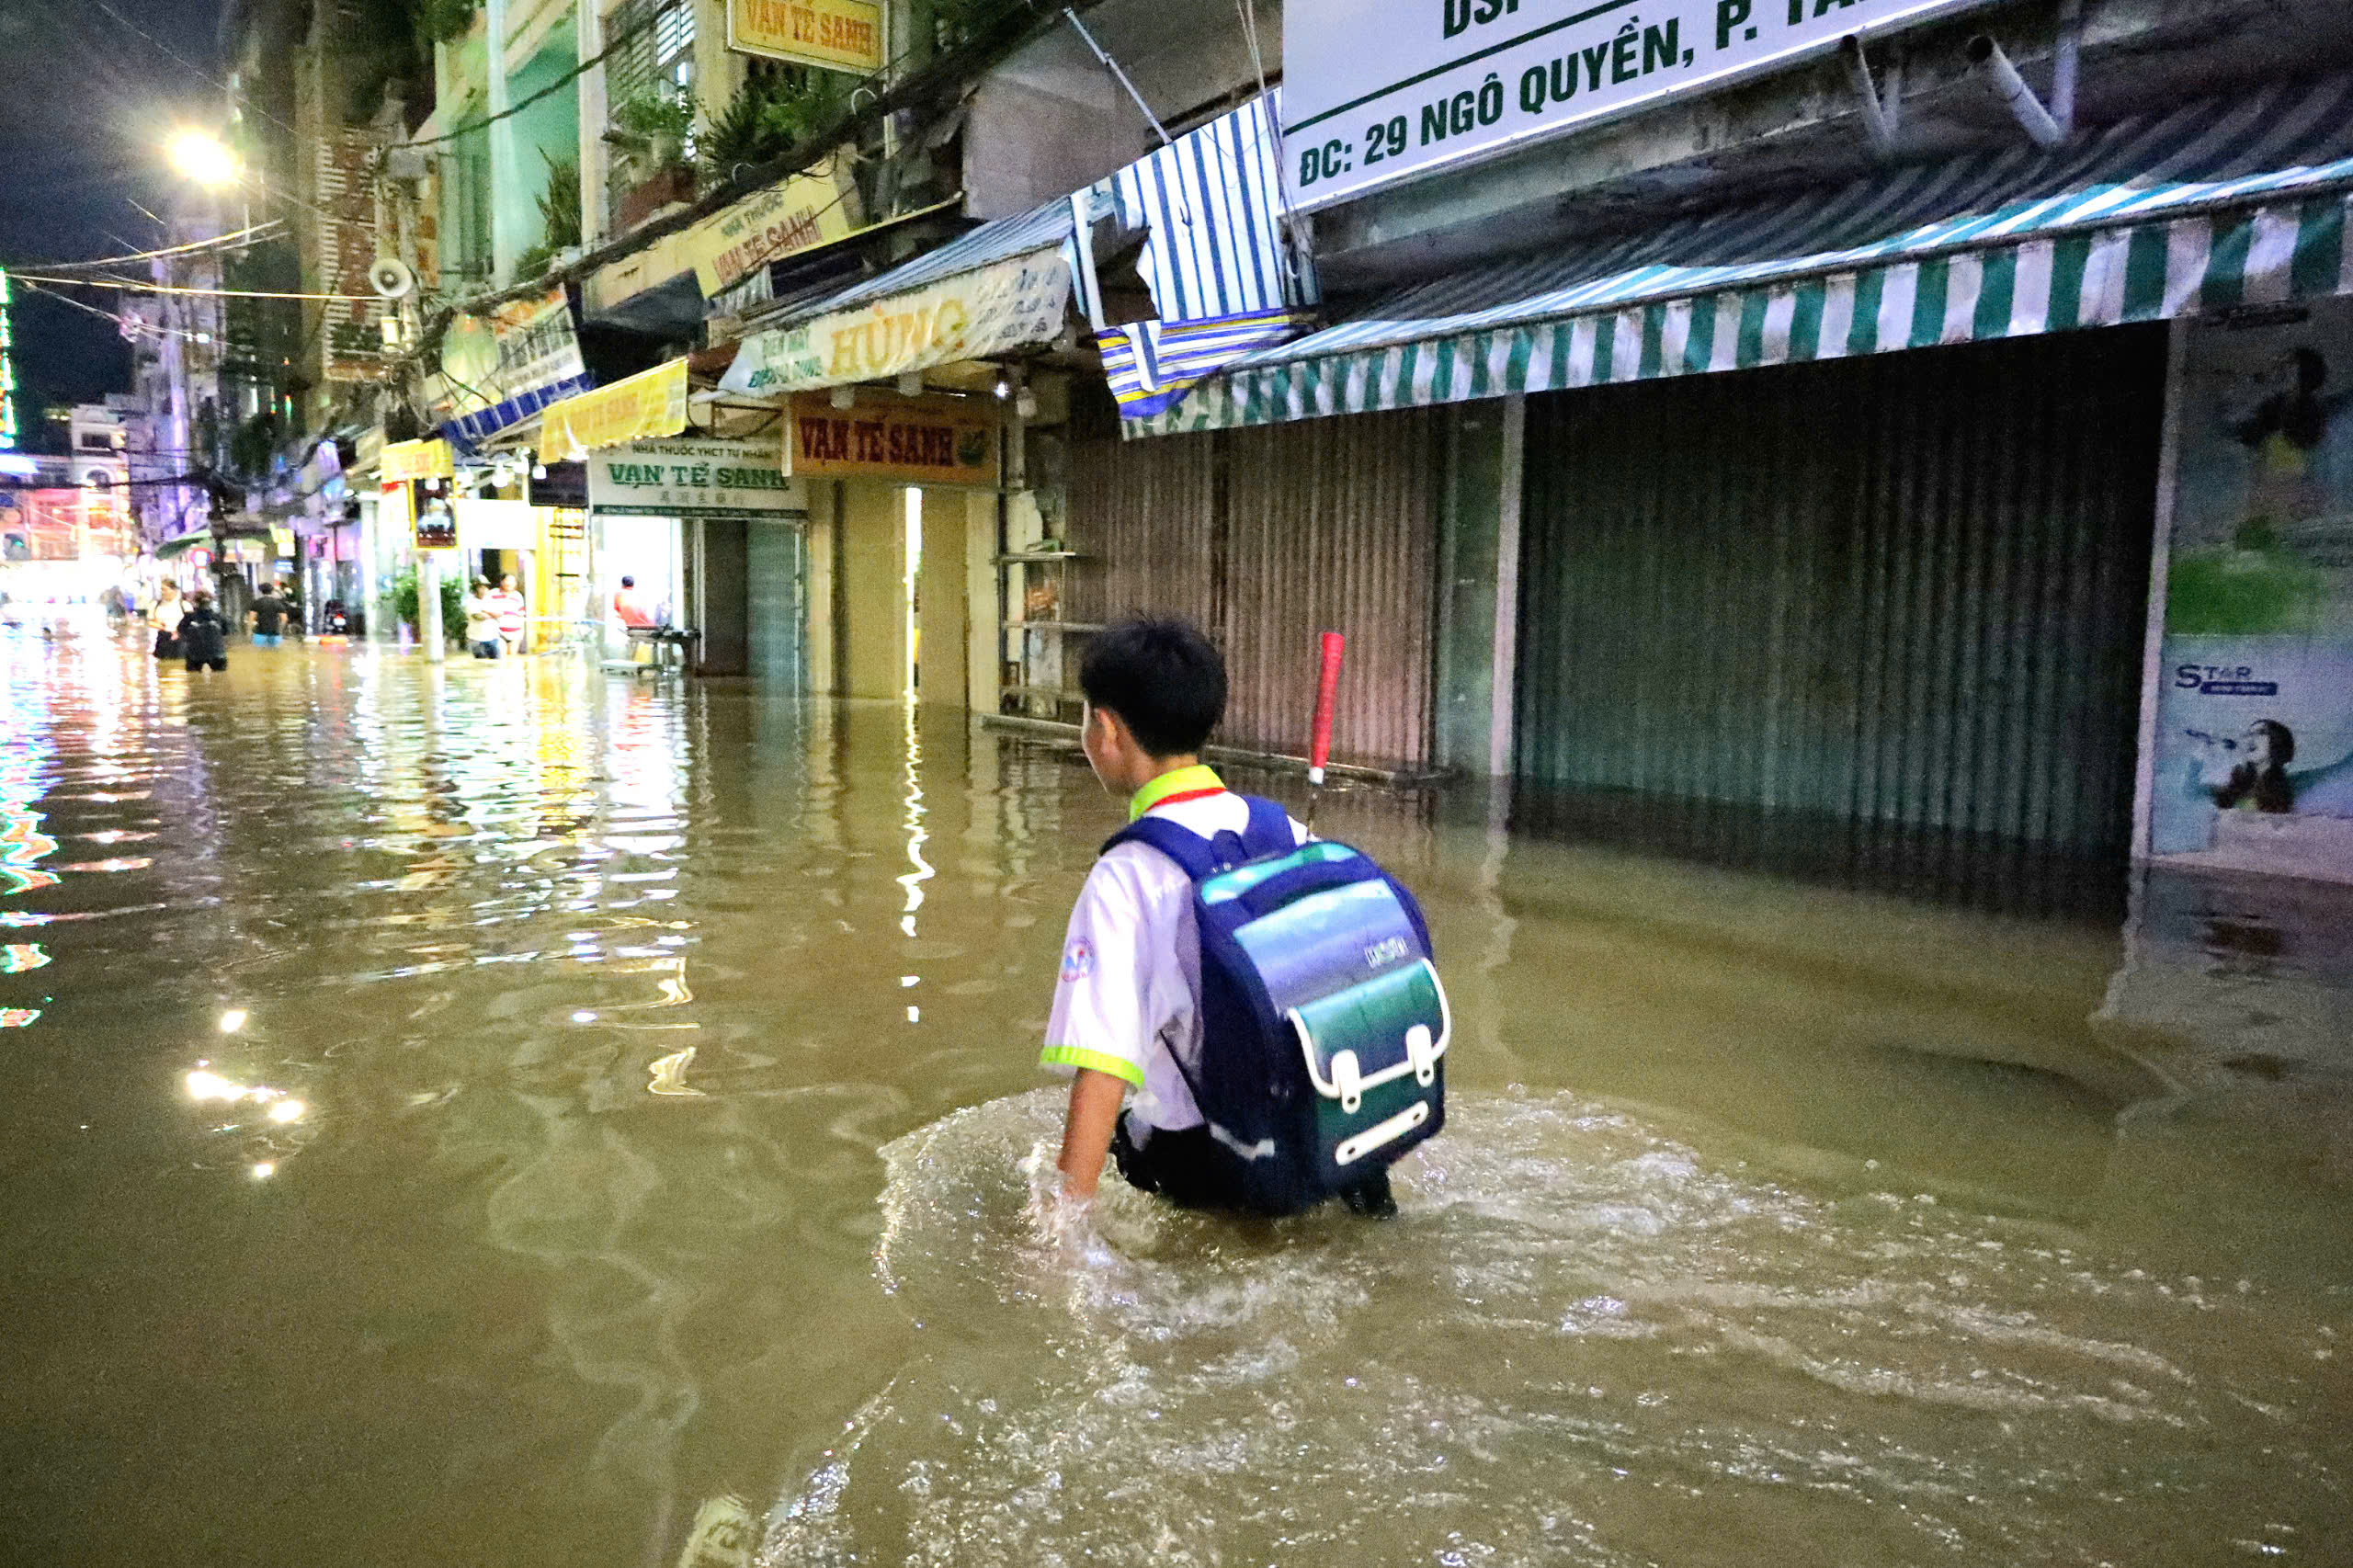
2215	204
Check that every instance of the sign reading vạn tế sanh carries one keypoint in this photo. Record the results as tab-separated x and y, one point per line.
842	34
908	441
1378	93
700	478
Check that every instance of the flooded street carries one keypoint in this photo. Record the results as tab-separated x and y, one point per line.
498	1114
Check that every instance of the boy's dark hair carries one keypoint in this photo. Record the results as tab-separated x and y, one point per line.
1163	676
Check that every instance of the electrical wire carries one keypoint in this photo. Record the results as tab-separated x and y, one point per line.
627	35
217	81
142	285
221	239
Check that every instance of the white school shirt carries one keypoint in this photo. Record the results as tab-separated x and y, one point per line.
1126	1002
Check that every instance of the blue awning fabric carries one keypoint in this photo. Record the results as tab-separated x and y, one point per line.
2211	204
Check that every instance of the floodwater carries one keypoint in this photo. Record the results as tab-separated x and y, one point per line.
514	1115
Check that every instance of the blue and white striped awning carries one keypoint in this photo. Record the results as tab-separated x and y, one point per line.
1210	205
2215	203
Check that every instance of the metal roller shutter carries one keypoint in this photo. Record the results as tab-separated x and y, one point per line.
1879	620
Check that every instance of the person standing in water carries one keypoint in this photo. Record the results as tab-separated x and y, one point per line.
164	616
1126	1018
204	636
481	620
266	617
514	615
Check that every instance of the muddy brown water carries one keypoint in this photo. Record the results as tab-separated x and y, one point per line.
516	1115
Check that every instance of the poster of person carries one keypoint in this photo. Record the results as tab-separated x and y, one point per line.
2253	767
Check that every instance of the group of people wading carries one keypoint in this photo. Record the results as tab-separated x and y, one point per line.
193	629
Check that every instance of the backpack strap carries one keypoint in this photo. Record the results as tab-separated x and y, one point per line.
1267	833
1270	831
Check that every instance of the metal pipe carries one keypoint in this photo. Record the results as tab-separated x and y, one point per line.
2065	59
1876	129
2003	78
1080	28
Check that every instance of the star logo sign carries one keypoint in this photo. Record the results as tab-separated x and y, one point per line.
1078	961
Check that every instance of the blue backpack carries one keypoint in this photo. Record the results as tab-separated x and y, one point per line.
1323	1025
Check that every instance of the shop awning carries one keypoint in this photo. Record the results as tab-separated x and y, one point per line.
2212	204
1003	287
181	544
643	407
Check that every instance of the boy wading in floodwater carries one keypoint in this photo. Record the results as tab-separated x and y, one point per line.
1268	1001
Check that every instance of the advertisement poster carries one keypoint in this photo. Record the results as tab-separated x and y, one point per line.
523	347
1440	81
2254	748
917	441
711	477
990	309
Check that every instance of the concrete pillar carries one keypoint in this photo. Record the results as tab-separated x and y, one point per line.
1478	623
947	621
824	553
871	593
982	609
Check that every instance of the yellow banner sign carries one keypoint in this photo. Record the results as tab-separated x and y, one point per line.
844	34
914	441
416	459
643	407
805	210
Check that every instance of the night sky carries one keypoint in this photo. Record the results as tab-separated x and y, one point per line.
89	102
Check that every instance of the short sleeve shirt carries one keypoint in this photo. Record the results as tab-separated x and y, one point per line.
1125	1002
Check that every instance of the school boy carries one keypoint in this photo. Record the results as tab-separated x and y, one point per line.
1126	1020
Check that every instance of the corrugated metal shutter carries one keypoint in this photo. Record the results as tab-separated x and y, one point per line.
1880	619
1265	538
1335	529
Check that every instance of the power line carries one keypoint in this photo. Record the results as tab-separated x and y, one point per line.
168	250
141	286
625	35
217	81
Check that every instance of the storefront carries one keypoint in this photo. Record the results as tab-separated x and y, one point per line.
1824	535
711	528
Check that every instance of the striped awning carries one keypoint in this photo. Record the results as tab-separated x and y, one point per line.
2212	204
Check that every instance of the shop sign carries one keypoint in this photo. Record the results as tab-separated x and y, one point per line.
281	542
648	406
805	210
842	34
914	441
1371	100
416	459
704	478
523	346
990	309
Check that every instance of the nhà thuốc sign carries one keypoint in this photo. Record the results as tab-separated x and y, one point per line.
1373	95
907	441
838	34
710	477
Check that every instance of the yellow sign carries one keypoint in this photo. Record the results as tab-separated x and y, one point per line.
416	459
846	34
805	210
642	408
914	441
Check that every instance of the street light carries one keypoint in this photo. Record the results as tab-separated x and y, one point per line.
203	158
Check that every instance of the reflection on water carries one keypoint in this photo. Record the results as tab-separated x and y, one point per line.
503	1114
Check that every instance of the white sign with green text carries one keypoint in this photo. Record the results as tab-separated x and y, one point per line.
1378	91
710	477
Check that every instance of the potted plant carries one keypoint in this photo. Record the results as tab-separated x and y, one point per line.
654	132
